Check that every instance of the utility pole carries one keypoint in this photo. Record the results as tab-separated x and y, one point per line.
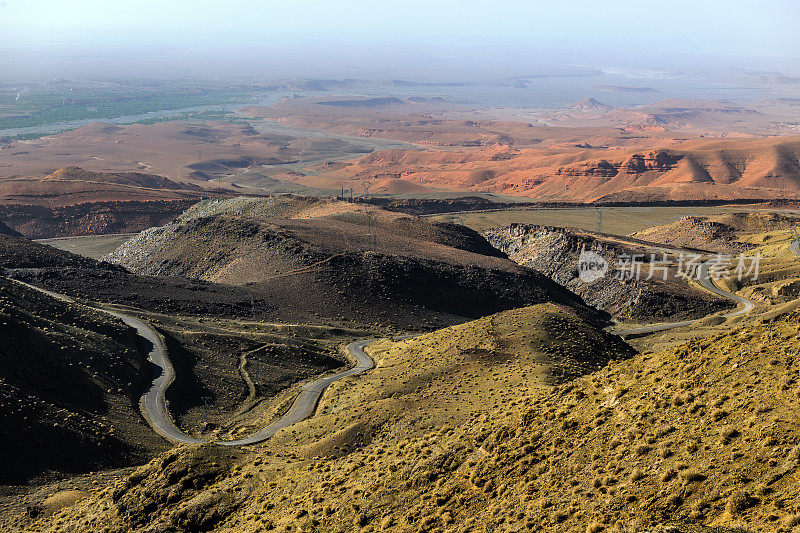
206	400
370	236
598	223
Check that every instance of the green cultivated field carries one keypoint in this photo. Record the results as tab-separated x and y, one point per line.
45	105
93	246
615	220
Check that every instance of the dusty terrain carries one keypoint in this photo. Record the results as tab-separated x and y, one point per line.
666	151
514	410
615	220
578	162
587	455
74	375
528	419
236	375
717	118
98	218
203	153
687	170
72	201
161	148
555	252
523	350
70	377
82	277
328	259
73	185
719	233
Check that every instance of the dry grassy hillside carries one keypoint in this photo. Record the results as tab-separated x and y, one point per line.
700	437
719	233
434	382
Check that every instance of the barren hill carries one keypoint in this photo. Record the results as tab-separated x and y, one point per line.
5	230
698	169
94	218
73	185
718	233
134	179
590	104
70	378
555	252
72	201
81	277
333	259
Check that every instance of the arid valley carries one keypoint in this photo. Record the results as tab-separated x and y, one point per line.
441	275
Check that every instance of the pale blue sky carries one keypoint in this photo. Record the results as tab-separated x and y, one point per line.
714	26
530	29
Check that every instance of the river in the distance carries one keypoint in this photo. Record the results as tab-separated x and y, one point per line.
617	89
161	114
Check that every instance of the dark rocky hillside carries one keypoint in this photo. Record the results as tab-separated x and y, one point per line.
343	264
555	252
69	378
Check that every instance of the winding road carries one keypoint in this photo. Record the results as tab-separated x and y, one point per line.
306	402
704	279
153	404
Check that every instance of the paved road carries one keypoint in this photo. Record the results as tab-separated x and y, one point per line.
306	402
153	404
154	408
704	279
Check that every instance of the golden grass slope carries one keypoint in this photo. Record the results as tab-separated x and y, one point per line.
702	436
442	379
725	233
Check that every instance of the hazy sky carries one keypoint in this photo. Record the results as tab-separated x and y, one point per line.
348	30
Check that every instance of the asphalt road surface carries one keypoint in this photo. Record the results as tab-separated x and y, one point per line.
306	402
704	279
154	407
153	403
